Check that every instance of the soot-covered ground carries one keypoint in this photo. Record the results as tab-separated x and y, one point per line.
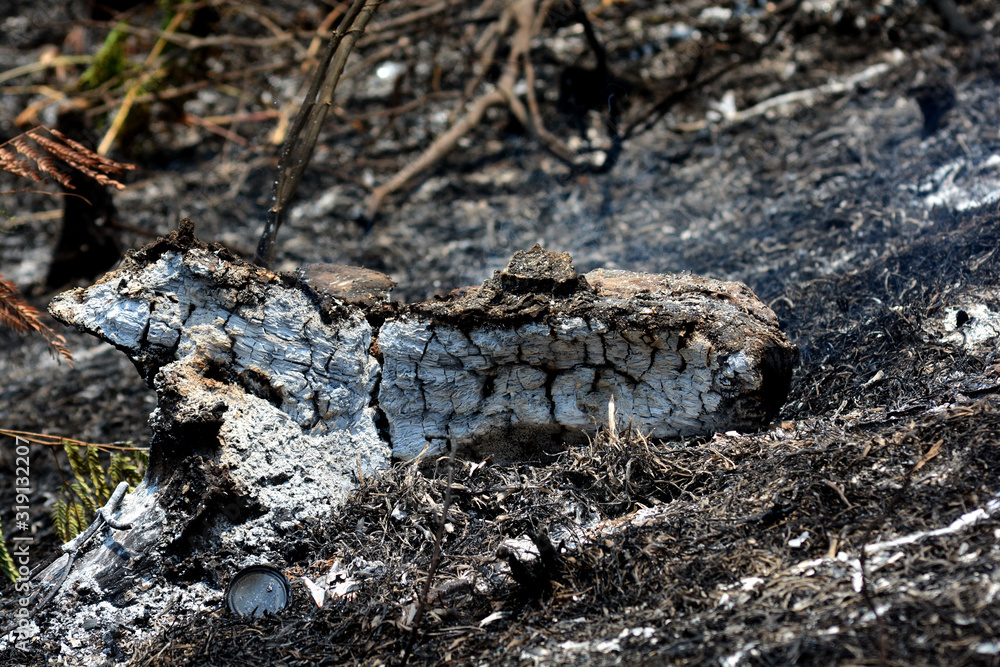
842	158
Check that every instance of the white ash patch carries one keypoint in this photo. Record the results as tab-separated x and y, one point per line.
961	184
971	325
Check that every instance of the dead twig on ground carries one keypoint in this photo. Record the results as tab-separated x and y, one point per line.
694	81
524	21
527	17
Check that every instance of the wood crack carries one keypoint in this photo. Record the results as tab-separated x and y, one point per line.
486	366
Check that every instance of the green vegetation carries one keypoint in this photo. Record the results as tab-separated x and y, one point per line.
92	484
6	562
110	61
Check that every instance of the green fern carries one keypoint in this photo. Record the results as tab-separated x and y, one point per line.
88	499
7	567
128	467
109	62
92	485
101	487
69	518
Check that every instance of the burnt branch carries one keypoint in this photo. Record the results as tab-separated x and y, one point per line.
301	140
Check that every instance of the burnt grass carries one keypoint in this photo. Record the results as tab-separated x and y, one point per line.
675	586
713	575
733	549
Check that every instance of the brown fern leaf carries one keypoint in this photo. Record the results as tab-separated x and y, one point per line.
82	159
10	162
51	153
13	313
19	316
89	157
42	161
99	177
49	166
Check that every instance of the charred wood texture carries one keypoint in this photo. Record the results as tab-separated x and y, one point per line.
531	358
522	363
277	393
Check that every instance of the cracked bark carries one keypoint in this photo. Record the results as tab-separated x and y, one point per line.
270	386
682	355
536	350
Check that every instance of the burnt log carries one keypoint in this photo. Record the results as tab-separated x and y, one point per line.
277	393
522	363
530	359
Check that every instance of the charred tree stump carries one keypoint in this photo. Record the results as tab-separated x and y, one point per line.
285	388
277	392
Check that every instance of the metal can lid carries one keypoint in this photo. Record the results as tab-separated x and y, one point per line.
256	590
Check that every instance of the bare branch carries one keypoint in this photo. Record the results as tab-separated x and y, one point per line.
301	140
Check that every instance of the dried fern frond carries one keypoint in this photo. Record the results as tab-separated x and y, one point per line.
18	315
10	162
45	164
87	156
42	158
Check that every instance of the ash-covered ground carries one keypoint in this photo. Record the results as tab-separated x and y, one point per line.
840	158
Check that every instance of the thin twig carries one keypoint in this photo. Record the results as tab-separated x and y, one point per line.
652	114
148	74
528	20
40	65
58	441
183	91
